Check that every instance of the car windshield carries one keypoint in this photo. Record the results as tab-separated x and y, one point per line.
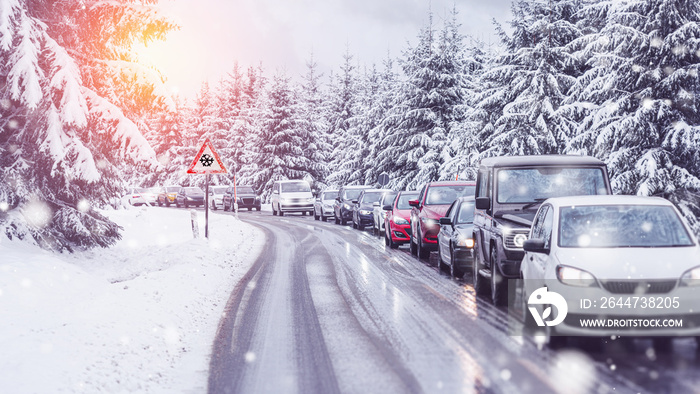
371	197
466	213
154	190
140	190
612	226
219	190
327	196
530	185
351	194
244	190
389	198
193	191
295	187
445	195
404	198
172	189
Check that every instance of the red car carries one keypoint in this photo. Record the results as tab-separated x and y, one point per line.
397	224
432	203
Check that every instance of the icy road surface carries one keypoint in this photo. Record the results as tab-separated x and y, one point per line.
329	309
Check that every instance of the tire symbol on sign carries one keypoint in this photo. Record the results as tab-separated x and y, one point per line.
206	160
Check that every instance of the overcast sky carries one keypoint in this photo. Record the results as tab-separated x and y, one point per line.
283	33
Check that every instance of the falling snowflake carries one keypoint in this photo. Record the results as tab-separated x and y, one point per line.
206	160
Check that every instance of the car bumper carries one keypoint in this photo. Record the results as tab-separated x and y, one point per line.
296	207
327	211
463	257
400	233
366	220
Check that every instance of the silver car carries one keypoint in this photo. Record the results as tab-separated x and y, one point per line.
379	211
619	265
323	207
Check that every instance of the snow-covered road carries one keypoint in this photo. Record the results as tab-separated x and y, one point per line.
328	309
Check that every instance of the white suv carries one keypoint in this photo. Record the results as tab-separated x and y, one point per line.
292	196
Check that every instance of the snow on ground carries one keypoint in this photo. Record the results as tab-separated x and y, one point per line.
138	317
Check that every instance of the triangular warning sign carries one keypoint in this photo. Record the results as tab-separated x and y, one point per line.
207	161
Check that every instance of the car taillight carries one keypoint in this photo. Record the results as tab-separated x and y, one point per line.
135	196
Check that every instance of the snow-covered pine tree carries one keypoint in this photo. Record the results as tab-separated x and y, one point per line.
529	82
427	108
63	139
465	140
381	115
278	151
639	98
248	124
342	94
312	109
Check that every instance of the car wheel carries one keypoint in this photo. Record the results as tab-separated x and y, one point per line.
280	212
213	206
414	248
274	212
167	203
360	226
324	218
316	217
455	272
257	209
186	204
423	253
498	285
159	203
441	265
303	213
479	282
386	239
250	209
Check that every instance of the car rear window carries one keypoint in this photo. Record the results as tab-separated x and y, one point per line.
172	189
466	213
372	197
351	194
193	191
329	195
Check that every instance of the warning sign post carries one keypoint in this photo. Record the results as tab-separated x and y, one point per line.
207	162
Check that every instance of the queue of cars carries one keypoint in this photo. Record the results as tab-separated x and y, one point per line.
537	224
220	197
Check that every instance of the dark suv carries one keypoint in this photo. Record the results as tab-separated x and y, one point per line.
346	200
245	196
509	190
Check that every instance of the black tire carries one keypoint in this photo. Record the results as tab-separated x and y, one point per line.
257	209
250	209
360	226
455	272
499	286
422	252
441	265
337	220
167	203
478	281
303	213
177	204
186	204
414	248
316	217
160	204
343	221
213	206
324	218
387	239
280	213
274	212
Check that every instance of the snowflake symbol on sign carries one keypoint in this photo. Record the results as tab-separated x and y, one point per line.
206	160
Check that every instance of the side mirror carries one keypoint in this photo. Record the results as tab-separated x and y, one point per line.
414	203
482	203
535	246
445	221
337	199
354	201
387	207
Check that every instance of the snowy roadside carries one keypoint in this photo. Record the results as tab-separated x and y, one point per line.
138	317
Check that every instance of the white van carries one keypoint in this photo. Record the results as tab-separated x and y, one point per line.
292	196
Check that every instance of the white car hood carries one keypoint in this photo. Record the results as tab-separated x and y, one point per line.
631	263
296	195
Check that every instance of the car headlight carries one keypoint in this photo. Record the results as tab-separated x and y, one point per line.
428	221
465	242
400	221
347	206
575	277
310	199
691	277
519	240
365	212
283	200
257	198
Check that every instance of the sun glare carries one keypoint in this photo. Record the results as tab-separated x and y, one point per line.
157	56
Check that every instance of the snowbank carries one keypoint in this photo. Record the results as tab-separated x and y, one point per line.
140	316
